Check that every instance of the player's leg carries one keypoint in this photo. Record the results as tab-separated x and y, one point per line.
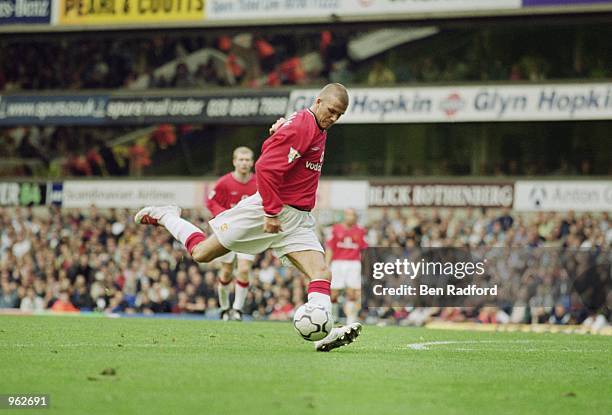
352	304
300	244
312	264
224	280
237	229
335	297
206	250
338	284
192	237
244	264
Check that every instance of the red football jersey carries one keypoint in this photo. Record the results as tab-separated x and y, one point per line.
228	192
347	243
290	164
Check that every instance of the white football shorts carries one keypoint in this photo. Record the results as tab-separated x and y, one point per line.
240	229
345	274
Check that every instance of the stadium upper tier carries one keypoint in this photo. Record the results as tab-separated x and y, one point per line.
370	57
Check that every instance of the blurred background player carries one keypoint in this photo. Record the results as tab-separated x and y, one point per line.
343	254
229	190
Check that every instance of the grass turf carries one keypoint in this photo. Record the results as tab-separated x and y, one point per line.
209	367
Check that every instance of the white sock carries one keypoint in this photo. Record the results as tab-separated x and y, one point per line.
351	311
320	299
223	291
179	227
240	295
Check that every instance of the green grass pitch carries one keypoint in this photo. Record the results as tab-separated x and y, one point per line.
165	366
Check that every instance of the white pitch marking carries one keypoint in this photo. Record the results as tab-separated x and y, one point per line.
425	345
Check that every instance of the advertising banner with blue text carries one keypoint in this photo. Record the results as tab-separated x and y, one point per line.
486	103
269	11
25	12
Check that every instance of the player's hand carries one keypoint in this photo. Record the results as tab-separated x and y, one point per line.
272	225
277	125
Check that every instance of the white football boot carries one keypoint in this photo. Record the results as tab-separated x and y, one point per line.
339	336
151	215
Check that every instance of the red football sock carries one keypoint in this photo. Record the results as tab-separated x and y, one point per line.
194	239
319	286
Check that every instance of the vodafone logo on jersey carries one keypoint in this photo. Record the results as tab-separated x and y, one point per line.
316	166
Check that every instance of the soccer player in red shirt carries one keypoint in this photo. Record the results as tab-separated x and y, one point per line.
229	190
278	215
343	254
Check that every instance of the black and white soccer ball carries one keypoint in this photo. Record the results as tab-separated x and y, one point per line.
313	322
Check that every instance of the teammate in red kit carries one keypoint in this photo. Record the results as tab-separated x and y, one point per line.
343	252
229	190
278	215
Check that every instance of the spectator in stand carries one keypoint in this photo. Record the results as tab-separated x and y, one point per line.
80	297
206	75
182	77
282	310
515	73
164	136
8	294
380	75
559	315
31	301
63	304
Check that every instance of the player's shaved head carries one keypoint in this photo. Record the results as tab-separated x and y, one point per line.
335	91
330	104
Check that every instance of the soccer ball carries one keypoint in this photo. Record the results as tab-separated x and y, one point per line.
313	322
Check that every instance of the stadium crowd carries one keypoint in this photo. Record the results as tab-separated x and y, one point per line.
549	267
270	60
92	260
69	152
